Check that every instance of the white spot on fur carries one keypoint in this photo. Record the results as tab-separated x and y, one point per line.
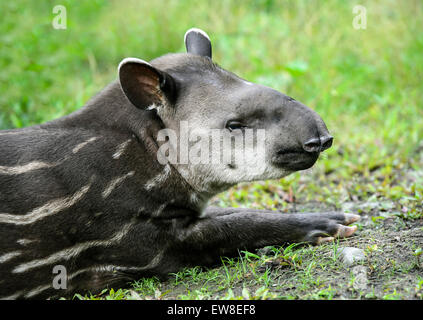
83	144
158	179
121	149
13	296
113	268
116	182
194	197
152	107
132	60
197	31
8	256
202	214
159	210
158	108
200	203
35	165
50	208
24	242
75	250
37	290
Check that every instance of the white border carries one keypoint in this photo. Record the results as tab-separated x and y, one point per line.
195	30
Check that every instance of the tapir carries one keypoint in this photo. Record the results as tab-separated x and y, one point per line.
100	197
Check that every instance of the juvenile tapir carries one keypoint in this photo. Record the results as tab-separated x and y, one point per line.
89	194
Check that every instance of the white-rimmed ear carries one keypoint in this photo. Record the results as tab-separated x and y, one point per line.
145	85
198	42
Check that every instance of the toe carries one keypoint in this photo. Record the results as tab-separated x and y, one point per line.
343	218
351	218
321	240
345	231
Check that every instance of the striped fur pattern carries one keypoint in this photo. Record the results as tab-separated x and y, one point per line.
87	193
80	192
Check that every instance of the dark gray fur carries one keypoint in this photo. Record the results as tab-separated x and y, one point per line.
162	230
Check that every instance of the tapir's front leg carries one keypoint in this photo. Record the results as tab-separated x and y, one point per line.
222	231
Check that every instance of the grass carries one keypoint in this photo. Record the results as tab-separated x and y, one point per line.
366	85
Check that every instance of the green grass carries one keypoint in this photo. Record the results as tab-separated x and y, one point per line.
366	85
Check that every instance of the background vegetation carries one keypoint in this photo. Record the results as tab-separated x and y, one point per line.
366	85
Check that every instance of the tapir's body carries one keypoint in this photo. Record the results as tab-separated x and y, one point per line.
70	191
88	193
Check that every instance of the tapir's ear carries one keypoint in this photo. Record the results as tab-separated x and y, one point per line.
198	42
144	85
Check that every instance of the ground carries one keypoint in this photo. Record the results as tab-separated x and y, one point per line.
366	83
389	232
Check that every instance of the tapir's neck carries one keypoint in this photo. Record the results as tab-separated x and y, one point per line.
134	132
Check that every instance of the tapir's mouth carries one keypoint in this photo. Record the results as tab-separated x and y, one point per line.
295	159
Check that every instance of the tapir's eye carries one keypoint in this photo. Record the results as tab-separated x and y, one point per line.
232	125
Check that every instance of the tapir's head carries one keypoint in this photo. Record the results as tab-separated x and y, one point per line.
196	100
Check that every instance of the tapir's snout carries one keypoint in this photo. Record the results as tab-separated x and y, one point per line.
302	136
318	144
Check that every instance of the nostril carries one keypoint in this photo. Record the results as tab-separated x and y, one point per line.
326	142
312	145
